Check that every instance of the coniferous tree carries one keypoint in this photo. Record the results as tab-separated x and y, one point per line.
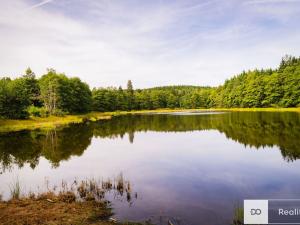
130	95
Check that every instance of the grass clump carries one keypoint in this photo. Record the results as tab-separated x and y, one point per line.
15	190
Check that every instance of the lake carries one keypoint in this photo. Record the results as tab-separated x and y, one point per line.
195	168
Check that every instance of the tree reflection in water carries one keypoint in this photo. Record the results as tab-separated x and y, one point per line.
254	129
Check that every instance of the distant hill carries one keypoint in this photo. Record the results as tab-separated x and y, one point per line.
178	87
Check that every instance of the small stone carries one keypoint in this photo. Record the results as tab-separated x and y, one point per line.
112	220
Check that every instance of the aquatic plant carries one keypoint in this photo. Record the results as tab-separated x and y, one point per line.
238	216
15	189
89	190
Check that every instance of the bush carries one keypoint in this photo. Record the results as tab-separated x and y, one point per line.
14	100
34	111
59	112
38	111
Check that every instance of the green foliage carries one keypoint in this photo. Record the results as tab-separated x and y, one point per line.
80	96
112	99
51	85
264	88
32	88
257	88
61	95
14	99
37	111
130	96
105	99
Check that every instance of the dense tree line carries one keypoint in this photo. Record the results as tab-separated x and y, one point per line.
257	88
52	94
55	93
263	88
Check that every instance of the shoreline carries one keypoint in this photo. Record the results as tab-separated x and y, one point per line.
81	202
51	122
58	209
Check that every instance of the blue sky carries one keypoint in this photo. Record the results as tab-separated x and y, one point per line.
153	43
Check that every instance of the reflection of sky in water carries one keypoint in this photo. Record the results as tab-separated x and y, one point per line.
196	176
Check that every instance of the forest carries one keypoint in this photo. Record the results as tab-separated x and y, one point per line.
56	94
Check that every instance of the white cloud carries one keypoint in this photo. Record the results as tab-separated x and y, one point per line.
108	42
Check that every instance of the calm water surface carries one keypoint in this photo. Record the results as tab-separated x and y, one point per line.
195	168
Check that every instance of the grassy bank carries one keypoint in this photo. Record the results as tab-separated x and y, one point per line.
54	121
49	122
82	202
56	209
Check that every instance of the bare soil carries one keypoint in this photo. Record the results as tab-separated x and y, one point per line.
53	209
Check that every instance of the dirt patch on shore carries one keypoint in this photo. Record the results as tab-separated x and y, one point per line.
53	209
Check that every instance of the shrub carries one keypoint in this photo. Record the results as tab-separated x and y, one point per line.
59	112
38	111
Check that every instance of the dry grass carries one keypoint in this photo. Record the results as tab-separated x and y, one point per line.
42	211
80	202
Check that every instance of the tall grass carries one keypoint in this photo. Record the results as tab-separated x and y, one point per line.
88	190
15	189
238	216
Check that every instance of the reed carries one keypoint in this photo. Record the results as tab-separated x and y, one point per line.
89	190
238	216
15	189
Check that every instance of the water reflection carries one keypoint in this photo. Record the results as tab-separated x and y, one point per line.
254	129
192	168
55	145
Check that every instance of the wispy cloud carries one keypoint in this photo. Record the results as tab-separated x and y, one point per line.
271	1
39	4
151	42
